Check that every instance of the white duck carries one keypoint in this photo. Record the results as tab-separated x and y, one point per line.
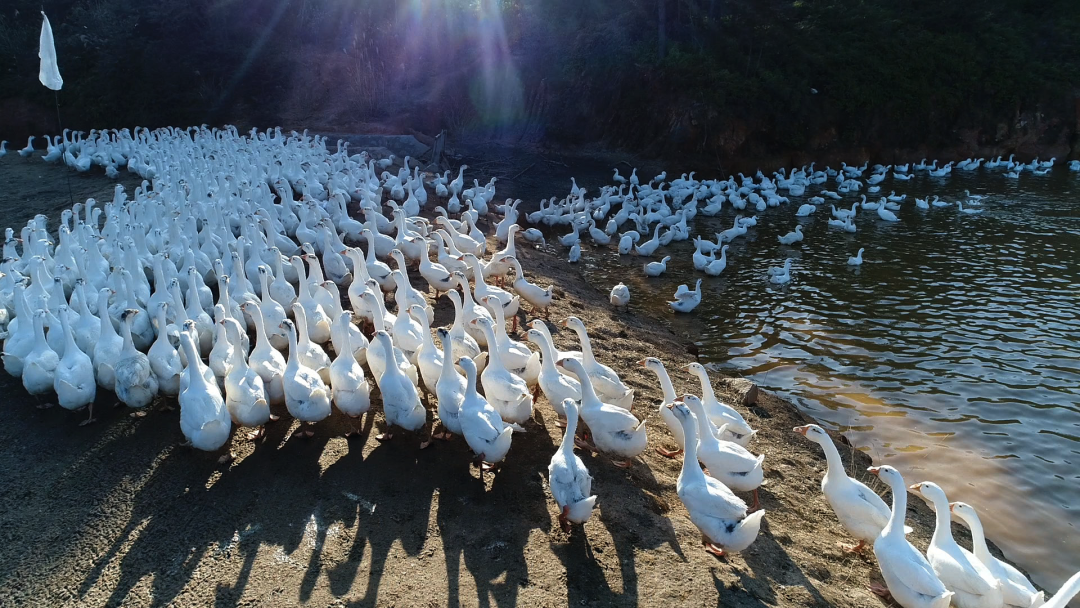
620	296
655	269
74	376
860	510
973	585
856	260
308	353
348	385
265	359
1066	593
537	297
163	356
604	380
721	516
688	300
306	395
449	390
792	237
568	479
107	349
401	402
557	386
485	432
204	419
245	392
614	430
719	412
670	421
39	365
909	578
726	461
136	384
1017	591
505	391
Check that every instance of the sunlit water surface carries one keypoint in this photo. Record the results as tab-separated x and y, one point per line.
952	353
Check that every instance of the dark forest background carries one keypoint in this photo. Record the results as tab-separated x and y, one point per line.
707	77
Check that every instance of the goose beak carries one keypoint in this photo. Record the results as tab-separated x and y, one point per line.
874	470
952	507
801	429
641	363
915	486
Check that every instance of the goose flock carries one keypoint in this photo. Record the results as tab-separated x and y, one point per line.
236	280
631	210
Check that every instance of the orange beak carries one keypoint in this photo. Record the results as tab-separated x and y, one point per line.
802	430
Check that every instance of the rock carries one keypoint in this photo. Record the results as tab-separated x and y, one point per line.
745	389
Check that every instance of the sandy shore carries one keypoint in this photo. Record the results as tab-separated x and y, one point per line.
118	513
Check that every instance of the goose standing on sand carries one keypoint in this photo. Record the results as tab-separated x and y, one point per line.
204	419
860	510
485	432
614	430
605	380
963	574
568	479
727	462
1016	589
306	395
909	578
620	296
721	516
656	366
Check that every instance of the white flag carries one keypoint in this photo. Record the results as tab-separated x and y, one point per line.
49	74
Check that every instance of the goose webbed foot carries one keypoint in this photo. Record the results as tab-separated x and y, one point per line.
583	444
564	521
561	422
669	453
711	547
880	590
623	464
257	434
756	506
138	414
855	548
384	436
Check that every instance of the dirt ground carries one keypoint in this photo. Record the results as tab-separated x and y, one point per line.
117	513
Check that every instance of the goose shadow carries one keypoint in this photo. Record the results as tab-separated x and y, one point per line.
773	568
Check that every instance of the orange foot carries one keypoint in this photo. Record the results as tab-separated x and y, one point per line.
669	453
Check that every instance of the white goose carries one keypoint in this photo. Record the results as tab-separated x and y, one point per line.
670	421
309	354
136	384
401	402
686	300
485	432
163	356
537	297
264	359
721	516
1065	594
74	376
726	461
719	412
306	395
614	430
856	260
568	479
860	510
449	390
204	419
505	391
348	385
245	392
655	269
605	380
620	296
1017	591
973	585
39	365
557	387
909	578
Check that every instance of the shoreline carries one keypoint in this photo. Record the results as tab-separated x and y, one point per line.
118	512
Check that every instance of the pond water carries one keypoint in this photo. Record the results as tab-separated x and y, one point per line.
952	353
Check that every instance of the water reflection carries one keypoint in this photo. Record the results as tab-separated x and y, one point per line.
951	353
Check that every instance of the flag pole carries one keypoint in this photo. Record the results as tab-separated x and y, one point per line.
63	147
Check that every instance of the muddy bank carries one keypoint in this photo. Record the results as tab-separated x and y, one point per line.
118	513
